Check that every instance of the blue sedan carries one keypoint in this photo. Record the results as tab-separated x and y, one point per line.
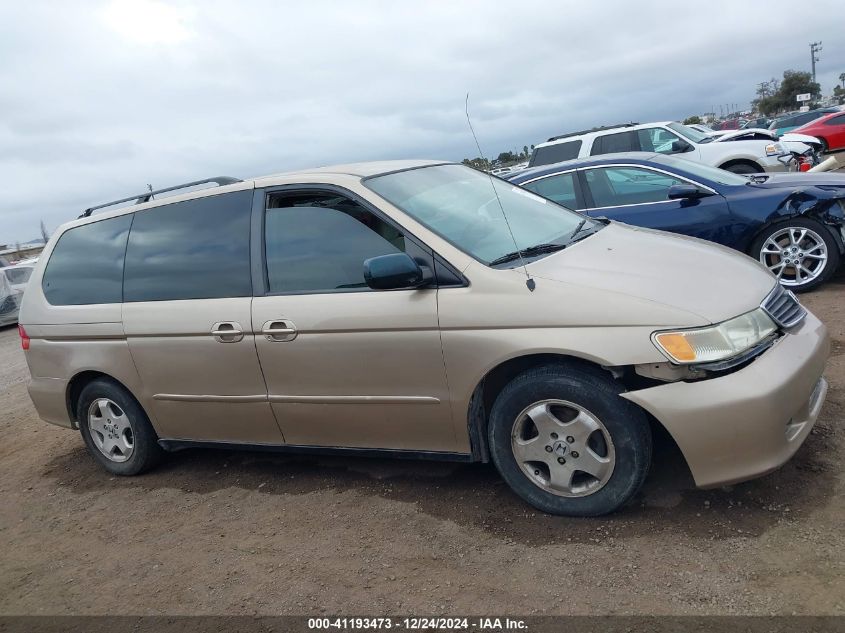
793	223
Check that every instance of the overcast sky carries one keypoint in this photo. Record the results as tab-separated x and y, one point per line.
99	98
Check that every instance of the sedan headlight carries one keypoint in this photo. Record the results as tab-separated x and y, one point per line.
776	149
716	342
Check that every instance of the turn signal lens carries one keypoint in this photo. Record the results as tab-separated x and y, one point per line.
677	346
24	338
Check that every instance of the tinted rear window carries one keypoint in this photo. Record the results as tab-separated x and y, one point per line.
555	153
86	266
612	143
197	249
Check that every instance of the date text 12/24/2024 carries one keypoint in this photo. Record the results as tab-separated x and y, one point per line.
417	624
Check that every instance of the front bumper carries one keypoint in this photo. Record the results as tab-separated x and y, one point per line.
750	422
772	164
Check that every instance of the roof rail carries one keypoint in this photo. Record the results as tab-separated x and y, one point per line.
595	129
145	197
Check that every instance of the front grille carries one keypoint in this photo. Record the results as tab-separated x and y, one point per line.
783	307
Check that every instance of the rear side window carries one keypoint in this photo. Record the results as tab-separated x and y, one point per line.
612	143
560	188
557	153
197	249
86	266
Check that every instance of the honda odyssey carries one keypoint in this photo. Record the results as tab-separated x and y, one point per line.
418	309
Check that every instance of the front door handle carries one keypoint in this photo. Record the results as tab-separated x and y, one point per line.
279	330
227	332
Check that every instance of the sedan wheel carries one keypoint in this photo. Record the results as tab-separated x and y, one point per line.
800	253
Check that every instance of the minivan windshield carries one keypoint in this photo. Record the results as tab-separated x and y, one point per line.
459	204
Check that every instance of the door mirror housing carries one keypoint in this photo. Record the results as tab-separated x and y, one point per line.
686	192
679	147
395	271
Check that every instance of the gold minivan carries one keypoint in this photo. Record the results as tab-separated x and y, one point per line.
418	309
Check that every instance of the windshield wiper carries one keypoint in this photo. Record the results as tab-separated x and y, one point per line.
537	249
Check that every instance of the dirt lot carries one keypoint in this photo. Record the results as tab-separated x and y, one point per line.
216	532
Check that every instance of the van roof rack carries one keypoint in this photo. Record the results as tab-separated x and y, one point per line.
145	197
595	129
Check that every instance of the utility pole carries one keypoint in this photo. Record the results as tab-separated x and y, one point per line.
815	47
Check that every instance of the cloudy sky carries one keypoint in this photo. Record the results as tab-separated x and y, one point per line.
99	98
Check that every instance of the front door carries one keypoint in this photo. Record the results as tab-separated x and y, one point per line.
346	366
640	196
187	319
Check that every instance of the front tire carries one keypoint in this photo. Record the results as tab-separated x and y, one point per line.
567	443
800	252
115	429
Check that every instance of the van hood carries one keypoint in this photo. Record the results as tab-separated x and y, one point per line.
708	280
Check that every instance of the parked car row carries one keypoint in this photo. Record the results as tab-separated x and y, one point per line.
795	120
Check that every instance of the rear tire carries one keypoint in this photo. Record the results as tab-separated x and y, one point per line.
115	429
782	249
551	422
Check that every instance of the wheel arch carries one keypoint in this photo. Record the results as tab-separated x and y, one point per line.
742	161
780	219
495	379
83	379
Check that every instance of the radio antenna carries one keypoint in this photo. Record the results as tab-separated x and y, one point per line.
528	280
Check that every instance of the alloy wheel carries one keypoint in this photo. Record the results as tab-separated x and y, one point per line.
563	448
795	255
111	430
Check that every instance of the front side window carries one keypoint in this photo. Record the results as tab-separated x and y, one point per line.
318	243
461	205
560	188
657	139
616	186
837	120
86	266
196	249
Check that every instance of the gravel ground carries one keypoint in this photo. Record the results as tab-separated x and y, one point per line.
214	532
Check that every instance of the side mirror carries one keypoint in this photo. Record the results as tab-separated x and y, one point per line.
686	192
679	147
395	271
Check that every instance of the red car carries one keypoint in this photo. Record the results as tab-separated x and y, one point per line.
829	129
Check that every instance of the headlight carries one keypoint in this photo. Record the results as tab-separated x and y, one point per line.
776	149
717	342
